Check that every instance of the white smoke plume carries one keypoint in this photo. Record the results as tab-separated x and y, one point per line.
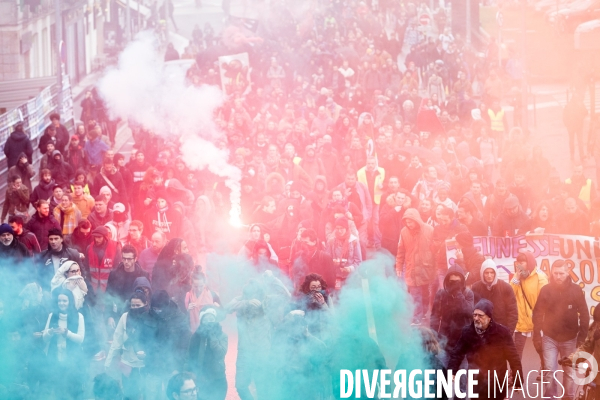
156	95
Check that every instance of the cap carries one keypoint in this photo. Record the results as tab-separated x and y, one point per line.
74	137
119	207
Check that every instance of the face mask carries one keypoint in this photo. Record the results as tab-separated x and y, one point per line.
453	286
137	312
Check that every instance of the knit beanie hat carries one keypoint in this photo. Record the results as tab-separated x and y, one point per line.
101	231
5	228
51	232
465	239
486	306
511	202
206	311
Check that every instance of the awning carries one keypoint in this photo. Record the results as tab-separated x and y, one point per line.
135	6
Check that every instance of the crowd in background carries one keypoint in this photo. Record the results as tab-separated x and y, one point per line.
359	134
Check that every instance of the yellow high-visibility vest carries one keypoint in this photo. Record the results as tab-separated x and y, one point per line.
361	175
497	120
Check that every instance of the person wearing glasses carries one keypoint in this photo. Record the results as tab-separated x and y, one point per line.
120	282
488	346
182	387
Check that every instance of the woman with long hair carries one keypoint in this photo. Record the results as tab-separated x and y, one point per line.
163	272
64	334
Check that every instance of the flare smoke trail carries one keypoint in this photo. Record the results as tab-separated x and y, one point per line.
144	89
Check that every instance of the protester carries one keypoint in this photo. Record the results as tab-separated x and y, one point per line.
499	293
206	358
488	347
562	314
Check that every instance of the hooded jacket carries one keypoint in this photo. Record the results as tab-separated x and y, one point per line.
168	221
500	294
43	191
62	172
18	142
451	309
40	226
119	287
561	312
414	256
527	292
16	201
23	171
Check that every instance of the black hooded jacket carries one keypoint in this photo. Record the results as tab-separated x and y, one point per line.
62	172
120	282
561	312
451	311
17	143
46	267
489	351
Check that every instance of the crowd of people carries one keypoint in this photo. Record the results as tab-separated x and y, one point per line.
350	148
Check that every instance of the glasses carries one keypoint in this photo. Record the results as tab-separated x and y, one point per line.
189	391
74	271
475	315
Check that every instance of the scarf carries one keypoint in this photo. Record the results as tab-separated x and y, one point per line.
67	218
205	298
77	285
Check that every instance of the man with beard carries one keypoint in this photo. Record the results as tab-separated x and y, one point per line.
488	346
136	237
312	260
43	191
562	314
42	222
23	170
81	237
101	257
52	258
120	282
11	249
148	257
23	235
111	177
206	356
